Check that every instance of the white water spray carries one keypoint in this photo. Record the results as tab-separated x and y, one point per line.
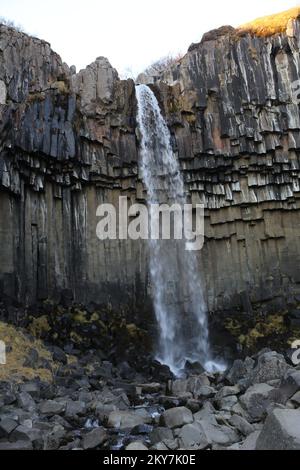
177	289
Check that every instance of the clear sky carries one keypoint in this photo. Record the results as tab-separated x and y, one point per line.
130	33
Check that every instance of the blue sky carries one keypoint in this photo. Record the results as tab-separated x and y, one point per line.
130	33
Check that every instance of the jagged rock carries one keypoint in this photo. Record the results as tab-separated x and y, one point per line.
218	434
207	413
290	384
281	431
251	441
136	446
192	435
160	434
128	419
26	402
256	400
270	366
177	417
52	407
295	399
95	438
23	433
241	424
75	408
240	370
7	425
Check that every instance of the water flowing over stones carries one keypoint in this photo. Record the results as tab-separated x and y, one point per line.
177	291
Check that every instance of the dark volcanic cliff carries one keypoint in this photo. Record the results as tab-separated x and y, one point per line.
68	142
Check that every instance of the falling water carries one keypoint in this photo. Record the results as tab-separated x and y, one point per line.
177	291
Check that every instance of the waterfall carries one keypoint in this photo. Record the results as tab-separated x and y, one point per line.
175	275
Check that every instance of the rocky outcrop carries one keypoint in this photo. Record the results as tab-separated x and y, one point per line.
69	142
82	408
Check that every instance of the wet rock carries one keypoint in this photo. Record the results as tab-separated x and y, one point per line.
95	438
141	429
177	417
281	431
128	419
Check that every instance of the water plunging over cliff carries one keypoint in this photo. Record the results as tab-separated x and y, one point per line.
177	291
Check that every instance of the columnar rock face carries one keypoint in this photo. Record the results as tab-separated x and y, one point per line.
68	142
233	105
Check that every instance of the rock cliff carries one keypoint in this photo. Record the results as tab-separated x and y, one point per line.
68	142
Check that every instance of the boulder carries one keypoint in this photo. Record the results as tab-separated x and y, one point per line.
241	424
270	366
256	400
137	445
250	442
177	417
239	370
217	434
128	419
159	434
290	384
192	435
52	407
281	431
26	402
95	438
7	426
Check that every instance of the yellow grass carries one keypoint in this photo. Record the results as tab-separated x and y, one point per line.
21	345
269	25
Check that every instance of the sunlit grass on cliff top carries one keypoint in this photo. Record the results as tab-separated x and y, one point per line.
273	24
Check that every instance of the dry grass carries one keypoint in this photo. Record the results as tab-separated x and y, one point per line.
269	25
20	346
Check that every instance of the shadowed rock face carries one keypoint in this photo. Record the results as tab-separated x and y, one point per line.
68	142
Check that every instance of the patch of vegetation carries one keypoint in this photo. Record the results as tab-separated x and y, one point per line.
259	331
269	25
18	346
